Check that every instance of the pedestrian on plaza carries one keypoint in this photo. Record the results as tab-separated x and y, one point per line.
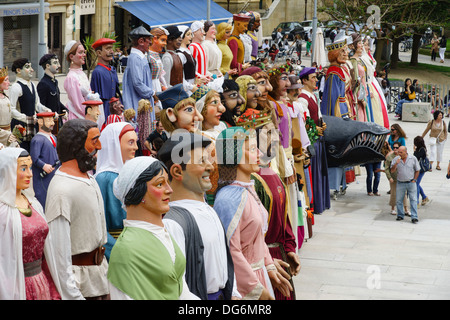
408	169
442	47
157	133
434	47
397	135
373	178
438	136
392	177
420	152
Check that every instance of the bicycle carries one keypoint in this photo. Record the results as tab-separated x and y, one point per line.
405	45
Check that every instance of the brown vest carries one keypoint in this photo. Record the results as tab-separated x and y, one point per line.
176	74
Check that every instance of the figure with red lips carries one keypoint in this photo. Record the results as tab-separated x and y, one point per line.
27	259
119	144
75	213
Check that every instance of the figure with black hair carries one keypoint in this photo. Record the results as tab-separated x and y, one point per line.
75	213
44	155
24	100
146	263
48	89
173	67
28	269
192	222
232	100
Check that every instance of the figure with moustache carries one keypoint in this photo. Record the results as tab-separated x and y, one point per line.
44	155
75	213
104	79
116	109
173	67
24	100
48	89
319	166
193	223
137	83
119	144
232	100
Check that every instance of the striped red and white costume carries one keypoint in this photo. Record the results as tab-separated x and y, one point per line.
199	54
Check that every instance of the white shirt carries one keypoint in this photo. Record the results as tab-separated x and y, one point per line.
15	92
213	236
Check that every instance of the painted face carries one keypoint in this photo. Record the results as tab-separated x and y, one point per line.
24	173
54	65
199	34
343	55
187	117
264	88
252	95
214	110
187	37
211	32
107	52
256	24
227	34
250	160
241	26
283	83
128	145
26	72
93	112
157	198
79	58
93	144
233	101
159	43
117	108
196	177
311	82
5	84
46	124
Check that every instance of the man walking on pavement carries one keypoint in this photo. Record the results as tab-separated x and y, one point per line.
408	170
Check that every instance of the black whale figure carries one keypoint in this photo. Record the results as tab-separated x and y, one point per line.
349	142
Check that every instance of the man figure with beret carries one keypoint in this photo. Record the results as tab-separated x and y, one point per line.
44	155
48	89
104	78
137	78
193	223
92	111
240	22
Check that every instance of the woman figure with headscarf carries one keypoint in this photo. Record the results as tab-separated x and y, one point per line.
27	260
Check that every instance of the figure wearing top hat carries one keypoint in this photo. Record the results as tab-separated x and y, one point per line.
44	155
104	78
137	81
48	89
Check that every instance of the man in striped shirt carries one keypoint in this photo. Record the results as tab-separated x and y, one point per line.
198	52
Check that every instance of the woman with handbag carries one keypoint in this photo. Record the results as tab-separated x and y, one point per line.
420	152
407	96
438	136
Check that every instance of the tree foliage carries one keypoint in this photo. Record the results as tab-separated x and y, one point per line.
398	19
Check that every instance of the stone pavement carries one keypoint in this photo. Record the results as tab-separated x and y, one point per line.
359	251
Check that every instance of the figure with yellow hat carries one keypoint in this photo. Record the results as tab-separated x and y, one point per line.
7	139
